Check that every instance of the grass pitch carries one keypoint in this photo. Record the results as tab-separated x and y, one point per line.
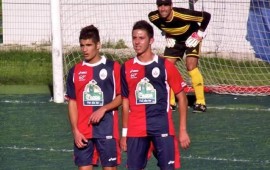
232	134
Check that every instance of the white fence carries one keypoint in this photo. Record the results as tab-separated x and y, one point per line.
28	22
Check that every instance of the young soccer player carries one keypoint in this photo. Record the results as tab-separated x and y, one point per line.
183	35
147	119
93	90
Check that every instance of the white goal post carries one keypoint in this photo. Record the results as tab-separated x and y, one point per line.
231	63
57	55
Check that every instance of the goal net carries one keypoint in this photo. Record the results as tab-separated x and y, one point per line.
235	54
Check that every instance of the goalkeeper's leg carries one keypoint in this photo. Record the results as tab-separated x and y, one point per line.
172	100
197	82
172	95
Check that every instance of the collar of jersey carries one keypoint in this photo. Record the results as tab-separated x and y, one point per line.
101	61
155	59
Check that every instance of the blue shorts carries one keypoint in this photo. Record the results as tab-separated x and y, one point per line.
164	149
105	150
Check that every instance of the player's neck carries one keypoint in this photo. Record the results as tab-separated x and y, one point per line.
170	16
94	60
146	57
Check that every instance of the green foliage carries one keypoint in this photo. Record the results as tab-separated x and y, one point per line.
120	44
115	57
25	67
29	67
1	20
227	71
217	70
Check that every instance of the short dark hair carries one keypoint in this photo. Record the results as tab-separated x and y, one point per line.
90	32
164	2
144	25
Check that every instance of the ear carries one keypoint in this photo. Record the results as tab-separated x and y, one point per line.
151	41
98	45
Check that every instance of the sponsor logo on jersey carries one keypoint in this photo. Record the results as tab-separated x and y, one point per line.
92	94
82	72
82	77
133	74
145	92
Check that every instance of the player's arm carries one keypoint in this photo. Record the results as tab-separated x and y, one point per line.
155	19
182	109
177	84
79	138
115	103
73	115
201	17
97	115
125	108
125	111
73	111
204	19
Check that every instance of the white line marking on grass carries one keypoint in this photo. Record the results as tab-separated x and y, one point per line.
216	159
26	102
224	159
22	102
240	108
36	149
184	157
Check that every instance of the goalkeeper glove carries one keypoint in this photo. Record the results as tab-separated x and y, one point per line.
195	39
170	42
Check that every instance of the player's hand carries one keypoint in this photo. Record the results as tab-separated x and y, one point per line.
123	143
79	140
184	139
170	42
96	116
195	39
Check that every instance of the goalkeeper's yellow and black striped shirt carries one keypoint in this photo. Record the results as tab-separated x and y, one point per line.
183	23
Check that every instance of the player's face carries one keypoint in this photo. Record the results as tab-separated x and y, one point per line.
141	41
90	50
165	10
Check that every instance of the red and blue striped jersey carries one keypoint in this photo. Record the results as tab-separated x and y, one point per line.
147	87
92	86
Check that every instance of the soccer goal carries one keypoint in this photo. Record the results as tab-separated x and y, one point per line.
235	54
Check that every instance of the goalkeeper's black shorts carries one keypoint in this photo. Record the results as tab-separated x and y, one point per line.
180	49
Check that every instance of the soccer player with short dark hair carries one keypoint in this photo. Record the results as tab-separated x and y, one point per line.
184	31
146	82
94	94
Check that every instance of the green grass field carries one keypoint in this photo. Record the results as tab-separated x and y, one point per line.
232	135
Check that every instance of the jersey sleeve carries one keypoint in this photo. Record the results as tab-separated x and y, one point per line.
117	76
195	16
154	18
70	84
174	77
124	85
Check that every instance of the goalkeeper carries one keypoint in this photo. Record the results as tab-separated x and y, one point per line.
184	31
